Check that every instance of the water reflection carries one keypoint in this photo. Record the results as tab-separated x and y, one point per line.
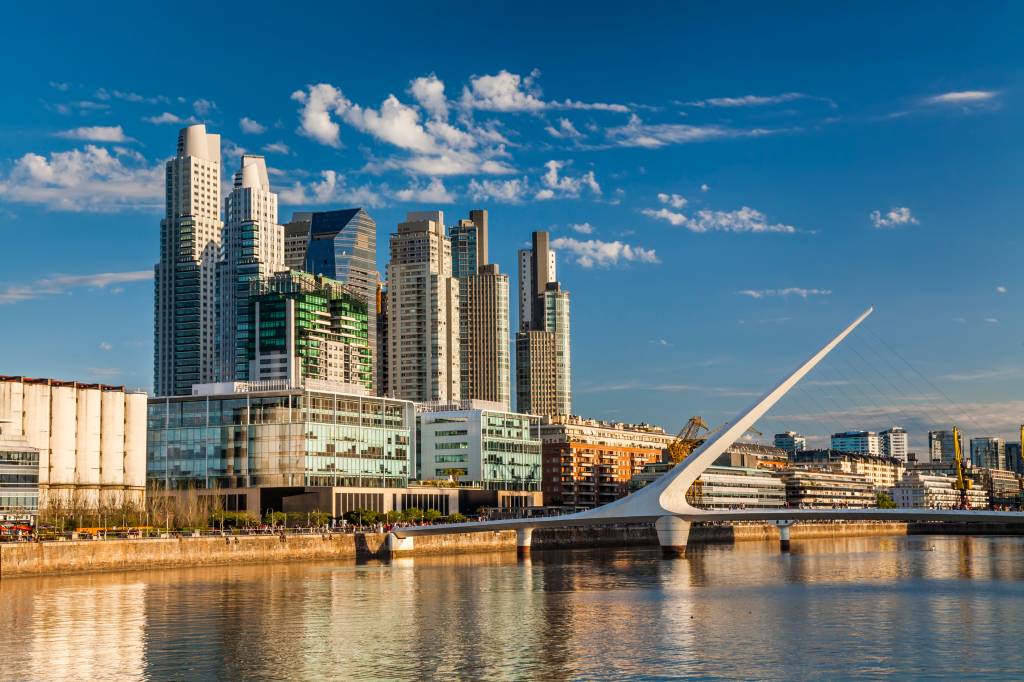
922	606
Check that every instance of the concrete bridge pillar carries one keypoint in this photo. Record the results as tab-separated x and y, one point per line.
673	534
524	540
784	525
396	545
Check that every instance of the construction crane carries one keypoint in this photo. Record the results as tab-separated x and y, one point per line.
963	484
690	438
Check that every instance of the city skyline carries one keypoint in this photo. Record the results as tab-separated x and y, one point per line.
774	200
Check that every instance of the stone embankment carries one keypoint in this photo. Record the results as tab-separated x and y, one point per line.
29	558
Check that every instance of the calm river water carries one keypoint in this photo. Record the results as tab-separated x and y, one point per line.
926	607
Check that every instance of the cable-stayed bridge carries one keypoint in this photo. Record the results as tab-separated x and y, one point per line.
664	502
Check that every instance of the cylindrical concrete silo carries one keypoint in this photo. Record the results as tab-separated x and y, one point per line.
36	405
135	446
112	447
87	454
62	443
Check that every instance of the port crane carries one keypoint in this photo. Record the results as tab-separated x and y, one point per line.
690	438
963	484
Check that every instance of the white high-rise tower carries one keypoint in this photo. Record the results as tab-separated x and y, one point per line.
253	248
185	278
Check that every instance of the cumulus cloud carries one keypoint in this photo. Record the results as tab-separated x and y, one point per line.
636	133
784	293
318	103
704	188
89	179
894	218
395	123
202	107
963	97
251	127
745	219
565	130
502	191
95	134
582	228
1000	290
331	188
106	346
59	284
433	192
555	185
168	118
428	91
594	252
511	92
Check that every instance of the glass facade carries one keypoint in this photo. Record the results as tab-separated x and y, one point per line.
511	454
281	438
19	483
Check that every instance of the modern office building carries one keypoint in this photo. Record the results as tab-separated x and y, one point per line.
423	312
811	488
988	452
185	285
883	472
296	240
307	326
865	442
894	442
252	250
19	477
921	490
543	358
473	441
90	438
1014	462
486	367
588	462
940	446
790	441
342	246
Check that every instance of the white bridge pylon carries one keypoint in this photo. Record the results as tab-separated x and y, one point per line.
664	500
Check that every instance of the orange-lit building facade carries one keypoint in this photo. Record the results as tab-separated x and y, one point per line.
587	463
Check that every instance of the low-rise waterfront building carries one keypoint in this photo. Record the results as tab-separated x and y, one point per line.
19	477
1003	487
90	438
810	488
882	472
588	462
474	441
720	487
921	490
754	456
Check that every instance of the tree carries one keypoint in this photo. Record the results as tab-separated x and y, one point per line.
412	514
432	515
884	500
275	518
362	517
456	518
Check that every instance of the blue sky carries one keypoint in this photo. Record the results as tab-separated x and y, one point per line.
712	176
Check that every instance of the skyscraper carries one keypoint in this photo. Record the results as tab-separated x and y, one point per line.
940	446
423	312
343	247
296	241
253	249
894	443
185	277
988	452
543	363
483	314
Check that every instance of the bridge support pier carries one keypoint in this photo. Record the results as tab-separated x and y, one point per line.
673	534
396	545
524	540
784	525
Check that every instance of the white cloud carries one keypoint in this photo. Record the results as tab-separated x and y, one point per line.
784	293
636	133
395	123
594	252
277	148
745	219
503	91
318	104
59	284
1000	290
168	118
963	97
428	91
556	185
329	189
106	346
749	100
432	193
589	106
704	188
502	191
203	107
660	342
251	127
565	130
95	134
673	200
582	228
992	320
89	179
895	217
451	162
63	87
